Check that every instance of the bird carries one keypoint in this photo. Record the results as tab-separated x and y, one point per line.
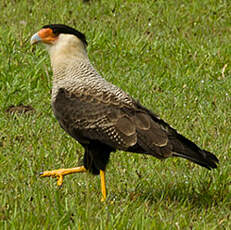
102	117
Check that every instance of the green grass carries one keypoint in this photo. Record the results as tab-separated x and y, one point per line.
174	56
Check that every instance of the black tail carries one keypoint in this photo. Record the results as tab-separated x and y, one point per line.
183	147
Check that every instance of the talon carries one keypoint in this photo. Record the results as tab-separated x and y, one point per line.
60	173
59	180
47	173
103	199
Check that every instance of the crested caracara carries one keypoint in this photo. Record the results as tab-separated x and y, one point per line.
102	117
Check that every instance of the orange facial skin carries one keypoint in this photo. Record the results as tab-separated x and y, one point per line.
47	35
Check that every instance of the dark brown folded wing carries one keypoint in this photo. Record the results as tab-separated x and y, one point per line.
121	126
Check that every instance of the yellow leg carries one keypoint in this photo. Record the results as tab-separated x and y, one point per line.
103	185
60	173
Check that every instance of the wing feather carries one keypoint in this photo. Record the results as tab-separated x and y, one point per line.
91	117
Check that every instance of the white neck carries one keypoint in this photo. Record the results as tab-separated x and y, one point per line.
66	47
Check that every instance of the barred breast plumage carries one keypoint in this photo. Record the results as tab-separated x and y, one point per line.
80	77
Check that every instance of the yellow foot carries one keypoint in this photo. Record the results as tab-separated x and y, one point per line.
60	173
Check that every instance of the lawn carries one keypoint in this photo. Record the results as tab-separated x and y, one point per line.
172	56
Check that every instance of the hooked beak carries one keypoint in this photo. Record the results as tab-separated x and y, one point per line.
35	39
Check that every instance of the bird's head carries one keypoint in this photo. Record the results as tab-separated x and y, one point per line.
61	37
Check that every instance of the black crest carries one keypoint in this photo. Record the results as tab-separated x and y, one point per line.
63	29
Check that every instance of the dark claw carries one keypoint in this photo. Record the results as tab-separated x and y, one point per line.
60	186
